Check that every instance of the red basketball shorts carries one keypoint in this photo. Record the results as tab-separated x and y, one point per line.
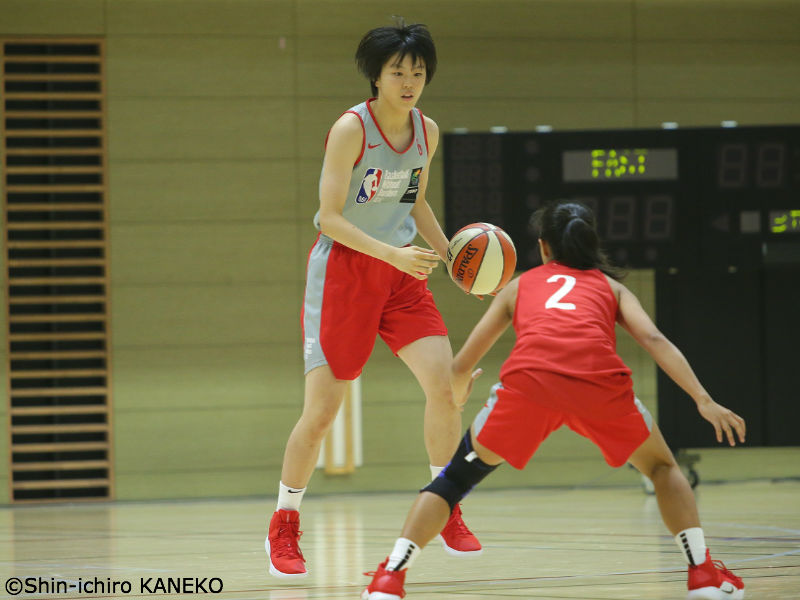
350	298
525	409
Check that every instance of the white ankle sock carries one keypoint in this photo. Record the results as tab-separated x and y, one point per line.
692	543
290	498
435	471
404	553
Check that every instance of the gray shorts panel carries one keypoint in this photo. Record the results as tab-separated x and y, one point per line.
648	418
483	414
313	356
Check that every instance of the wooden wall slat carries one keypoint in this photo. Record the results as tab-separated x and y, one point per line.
88	428
61	484
58	447
63	465
58	410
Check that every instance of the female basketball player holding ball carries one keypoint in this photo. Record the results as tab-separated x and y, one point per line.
564	370
365	279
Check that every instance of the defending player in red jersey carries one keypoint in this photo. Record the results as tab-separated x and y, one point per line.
564	370
364	278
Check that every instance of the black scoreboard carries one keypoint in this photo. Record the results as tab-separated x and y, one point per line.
714	197
715	211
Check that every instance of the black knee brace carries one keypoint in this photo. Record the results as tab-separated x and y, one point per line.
464	471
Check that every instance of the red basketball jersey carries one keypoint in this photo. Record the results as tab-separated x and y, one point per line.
564	320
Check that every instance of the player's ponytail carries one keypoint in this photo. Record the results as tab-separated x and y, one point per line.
569	229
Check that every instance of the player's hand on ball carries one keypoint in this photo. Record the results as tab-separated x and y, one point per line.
415	261
724	420
480	296
462	386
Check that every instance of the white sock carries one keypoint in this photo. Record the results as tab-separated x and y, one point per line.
435	471
692	543
290	498
404	553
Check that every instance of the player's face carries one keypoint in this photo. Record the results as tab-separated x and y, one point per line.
401	81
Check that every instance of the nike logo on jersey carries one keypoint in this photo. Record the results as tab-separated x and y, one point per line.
371	146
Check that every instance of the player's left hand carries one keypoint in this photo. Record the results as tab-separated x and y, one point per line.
724	420
462	386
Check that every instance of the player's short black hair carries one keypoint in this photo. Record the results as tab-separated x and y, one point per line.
570	230
382	43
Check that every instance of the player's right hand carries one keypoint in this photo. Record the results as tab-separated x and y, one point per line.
415	261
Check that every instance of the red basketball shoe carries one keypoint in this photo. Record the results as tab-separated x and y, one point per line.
385	585
712	581
282	545
457	539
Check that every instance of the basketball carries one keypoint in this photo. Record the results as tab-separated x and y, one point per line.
481	258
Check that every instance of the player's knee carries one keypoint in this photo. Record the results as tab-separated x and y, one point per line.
439	391
463	473
660	469
316	424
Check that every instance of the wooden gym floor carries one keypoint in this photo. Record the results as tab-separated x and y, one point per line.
543	543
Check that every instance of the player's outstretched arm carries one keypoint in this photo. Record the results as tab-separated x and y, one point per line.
633	318
491	326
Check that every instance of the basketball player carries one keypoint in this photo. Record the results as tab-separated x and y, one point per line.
564	370
365	279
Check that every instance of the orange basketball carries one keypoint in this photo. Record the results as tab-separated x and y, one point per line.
481	258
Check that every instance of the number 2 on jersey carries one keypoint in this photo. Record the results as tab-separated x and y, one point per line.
554	301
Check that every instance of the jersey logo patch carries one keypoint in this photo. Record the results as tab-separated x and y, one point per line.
410	195
369	185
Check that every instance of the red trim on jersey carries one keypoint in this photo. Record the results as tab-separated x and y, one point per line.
424	129
374	120
363	135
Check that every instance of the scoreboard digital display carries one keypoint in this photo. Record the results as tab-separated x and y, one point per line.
711	197
784	221
620	164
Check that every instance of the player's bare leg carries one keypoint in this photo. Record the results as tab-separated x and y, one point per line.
707	579
470	464
429	358
674	494
323	396
430	512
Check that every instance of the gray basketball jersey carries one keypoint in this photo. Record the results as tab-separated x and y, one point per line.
385	181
